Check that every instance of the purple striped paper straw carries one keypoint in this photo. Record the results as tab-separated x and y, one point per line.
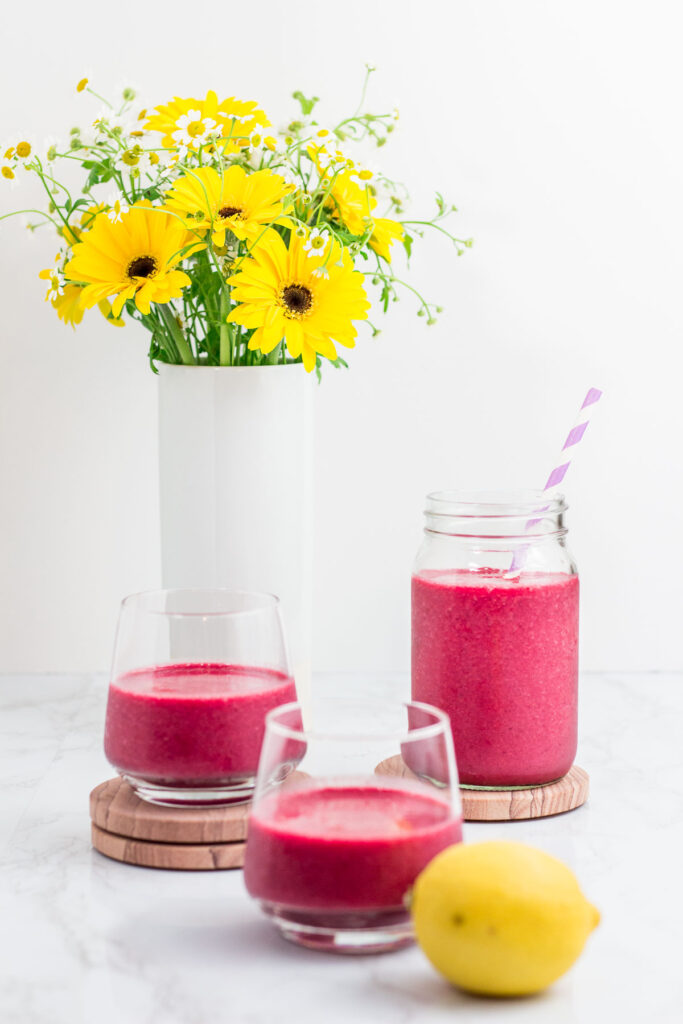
558	474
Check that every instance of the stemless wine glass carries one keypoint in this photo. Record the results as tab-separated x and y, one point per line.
334	847
194	673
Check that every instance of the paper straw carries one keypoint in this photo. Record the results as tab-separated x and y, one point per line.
564	461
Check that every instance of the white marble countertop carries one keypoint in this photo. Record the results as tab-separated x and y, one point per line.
84	939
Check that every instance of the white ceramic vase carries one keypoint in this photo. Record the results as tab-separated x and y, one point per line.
235	468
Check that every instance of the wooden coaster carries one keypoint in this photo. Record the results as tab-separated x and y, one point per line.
131	830
114	807
176	856
566	794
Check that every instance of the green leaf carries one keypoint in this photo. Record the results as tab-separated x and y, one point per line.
93	178
408	244
306	104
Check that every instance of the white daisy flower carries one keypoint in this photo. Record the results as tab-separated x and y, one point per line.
321	272
365	172
317	242
117	207
23	152
192	131
55	287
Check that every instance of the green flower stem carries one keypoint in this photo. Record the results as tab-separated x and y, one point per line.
56	207
225	351
467	242
171	324
97	96
41	213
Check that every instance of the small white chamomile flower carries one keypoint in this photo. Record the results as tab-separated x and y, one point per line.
23	152
366	172
56	288
317	242
193	130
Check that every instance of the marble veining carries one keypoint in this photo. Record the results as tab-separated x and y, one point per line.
87	940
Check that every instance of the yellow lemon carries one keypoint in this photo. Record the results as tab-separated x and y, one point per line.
500	918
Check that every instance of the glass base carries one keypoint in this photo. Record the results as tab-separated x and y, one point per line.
225	795
509	789
348	933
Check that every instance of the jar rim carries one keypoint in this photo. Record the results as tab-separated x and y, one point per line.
506	504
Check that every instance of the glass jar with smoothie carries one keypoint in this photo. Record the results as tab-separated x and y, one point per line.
495	624
194	674
333	848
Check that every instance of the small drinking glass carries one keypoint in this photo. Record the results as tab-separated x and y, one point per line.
193	676
334	847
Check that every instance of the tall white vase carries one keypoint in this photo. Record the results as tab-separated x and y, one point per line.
235	467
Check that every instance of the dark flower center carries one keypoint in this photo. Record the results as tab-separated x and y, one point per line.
228	211
142	266
297	299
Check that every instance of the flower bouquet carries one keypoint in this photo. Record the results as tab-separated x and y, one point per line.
232	242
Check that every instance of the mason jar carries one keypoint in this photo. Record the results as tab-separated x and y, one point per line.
495	628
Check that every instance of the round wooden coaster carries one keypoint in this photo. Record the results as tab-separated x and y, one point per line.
566	794
175	856
115	808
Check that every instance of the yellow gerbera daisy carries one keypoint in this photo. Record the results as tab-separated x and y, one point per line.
354	206
239	202
350	203
288	293
384	233
135	257
189	121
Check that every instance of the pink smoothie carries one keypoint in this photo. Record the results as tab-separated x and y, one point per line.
343	848
188	725
500	657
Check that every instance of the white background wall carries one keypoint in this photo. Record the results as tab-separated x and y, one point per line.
556	128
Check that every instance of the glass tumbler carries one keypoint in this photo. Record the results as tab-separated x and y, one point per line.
333	847
194	674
